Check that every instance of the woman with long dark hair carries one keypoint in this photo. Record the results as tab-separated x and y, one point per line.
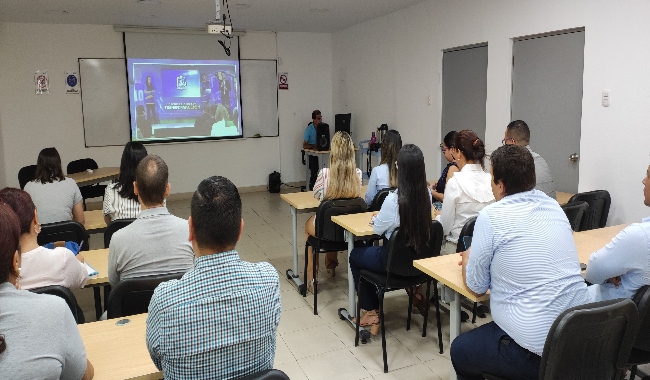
120	202
409	208
56	197
438	189
150	100
39	338
385	174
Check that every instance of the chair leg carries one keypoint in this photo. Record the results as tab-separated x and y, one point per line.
303	291
383	328
474	312
315	263
98	302
358	314
408	318
437	302
426	310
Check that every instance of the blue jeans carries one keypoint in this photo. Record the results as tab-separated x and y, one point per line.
372	258
489	349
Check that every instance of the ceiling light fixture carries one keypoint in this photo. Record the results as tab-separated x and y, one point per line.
148	2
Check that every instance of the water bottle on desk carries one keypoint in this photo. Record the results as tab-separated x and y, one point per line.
373	139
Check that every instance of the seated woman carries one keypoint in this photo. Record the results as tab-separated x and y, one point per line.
438	189
42	266
409	208
468	190
120	202
39	338
57	197
341	180
622	267
385	175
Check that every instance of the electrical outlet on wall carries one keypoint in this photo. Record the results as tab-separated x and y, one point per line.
607	94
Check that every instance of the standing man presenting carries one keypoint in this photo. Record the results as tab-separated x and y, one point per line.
309	142
518	133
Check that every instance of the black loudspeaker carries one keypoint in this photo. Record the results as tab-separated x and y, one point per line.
274	182
342	122
323	136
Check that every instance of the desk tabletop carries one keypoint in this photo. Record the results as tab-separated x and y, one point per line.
97	174
94	220
98	259
119	352
587	242
563	198
357	224
446	270
305	200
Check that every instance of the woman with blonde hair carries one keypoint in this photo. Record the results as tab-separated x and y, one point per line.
385	175
340	181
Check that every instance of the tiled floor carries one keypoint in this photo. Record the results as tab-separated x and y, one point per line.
322	346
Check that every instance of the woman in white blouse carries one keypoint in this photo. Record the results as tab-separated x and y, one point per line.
120	202
385	175
468	191
42	266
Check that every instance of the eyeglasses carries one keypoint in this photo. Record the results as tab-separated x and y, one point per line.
319	118
508	141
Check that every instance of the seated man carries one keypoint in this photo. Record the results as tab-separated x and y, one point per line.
622	267
156	242
518	133
523	252
219	321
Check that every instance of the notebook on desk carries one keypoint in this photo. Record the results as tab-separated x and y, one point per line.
91	270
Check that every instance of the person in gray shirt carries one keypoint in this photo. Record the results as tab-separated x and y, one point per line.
518	133
156	243
39	338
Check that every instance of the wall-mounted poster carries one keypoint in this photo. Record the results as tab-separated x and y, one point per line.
42	82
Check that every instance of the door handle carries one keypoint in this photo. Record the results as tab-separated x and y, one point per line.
574	157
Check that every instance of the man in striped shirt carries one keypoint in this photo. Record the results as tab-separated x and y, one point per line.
523	252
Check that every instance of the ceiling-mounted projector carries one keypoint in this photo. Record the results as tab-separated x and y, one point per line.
218	28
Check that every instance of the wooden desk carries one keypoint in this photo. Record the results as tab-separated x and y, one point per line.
94	221
587	242
119	352
97	176
563	198
98	259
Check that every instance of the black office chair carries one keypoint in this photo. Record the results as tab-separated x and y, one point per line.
330	235
269	374
379	198
64	231
26	174
468	230
575	212
596	215
68	297
89	191
589	342
112	227
401	274
640	353
132	296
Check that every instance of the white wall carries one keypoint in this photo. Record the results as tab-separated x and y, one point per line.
29	122
392	63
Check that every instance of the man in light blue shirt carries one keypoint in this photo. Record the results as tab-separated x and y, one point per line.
309	142
523	252
622	267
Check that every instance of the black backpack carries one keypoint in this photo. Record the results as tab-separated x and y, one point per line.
274	182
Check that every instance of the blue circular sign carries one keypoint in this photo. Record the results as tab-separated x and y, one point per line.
71	80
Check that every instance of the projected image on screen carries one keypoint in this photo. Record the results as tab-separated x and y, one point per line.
173	100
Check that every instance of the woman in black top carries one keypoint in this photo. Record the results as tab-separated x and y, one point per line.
438	189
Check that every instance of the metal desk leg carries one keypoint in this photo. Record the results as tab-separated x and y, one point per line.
292	274
98	302
307	172
348	315
454	326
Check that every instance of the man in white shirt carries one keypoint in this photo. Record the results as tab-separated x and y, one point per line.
518	133
523	252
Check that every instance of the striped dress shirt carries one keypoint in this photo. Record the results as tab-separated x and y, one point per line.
523	251
217	322
118	207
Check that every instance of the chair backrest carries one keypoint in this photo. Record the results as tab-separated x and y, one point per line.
399	260
467	230
64	231
26	174
269	374
591	341
642	301
114	226
379	198
81	165
596	215
328	230
66	294
575	212
132	296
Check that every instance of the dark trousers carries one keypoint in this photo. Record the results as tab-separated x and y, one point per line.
372	258
313	168
489	349
152	116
